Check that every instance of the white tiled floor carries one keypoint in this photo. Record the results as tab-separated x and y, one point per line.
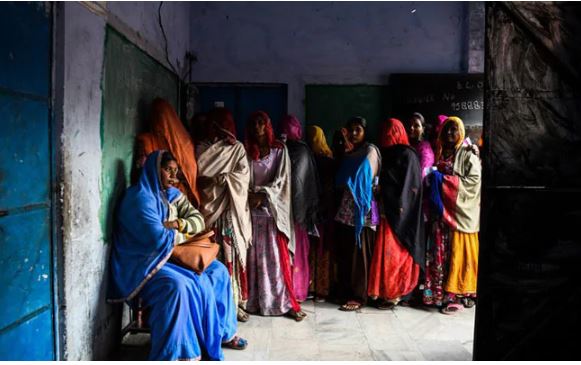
329	334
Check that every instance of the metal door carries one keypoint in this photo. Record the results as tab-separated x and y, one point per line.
530	253
244	99
26	299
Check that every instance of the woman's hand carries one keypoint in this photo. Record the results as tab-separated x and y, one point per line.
206	181
441	167
475	150
255	200
171	224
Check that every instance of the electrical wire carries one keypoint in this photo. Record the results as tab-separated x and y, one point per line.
165	39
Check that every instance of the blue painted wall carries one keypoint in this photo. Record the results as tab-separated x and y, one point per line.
302	43
26	318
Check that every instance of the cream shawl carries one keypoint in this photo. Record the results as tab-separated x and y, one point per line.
278	193
468	168
229	165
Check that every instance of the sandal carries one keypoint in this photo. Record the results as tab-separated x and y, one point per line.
451	309
237	343
319	299
350	306
468	302
297	316
242	316
385	305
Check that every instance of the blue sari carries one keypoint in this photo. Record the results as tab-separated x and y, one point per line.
355	172
191	315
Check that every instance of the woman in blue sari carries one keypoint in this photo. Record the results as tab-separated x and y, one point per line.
191	315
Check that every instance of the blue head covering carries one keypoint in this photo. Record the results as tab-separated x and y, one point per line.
141	244
355	172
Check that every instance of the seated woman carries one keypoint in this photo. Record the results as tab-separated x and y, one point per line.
190	314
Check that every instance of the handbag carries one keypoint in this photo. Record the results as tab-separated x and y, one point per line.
196	253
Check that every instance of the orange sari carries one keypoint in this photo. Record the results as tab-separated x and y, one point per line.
168	133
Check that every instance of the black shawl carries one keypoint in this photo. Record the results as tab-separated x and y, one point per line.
401	192
304	185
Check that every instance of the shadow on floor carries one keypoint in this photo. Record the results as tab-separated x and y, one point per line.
133	348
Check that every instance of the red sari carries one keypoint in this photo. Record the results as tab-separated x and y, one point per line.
398	253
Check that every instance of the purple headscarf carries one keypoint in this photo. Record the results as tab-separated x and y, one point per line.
292	127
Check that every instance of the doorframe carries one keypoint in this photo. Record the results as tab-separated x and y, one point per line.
196	84
56	121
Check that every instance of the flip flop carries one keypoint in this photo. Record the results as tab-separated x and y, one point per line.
385	305
451	309
237	343
242	316
468	302
297	316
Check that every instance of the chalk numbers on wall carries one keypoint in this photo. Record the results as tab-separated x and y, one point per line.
468	105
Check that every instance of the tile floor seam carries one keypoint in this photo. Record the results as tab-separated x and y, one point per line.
365	335
410	339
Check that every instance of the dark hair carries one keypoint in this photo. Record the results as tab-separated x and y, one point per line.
166	157
419	117
251	142
198	126
223	118
357	120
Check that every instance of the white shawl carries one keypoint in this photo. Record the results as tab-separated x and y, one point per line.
228	163
278	193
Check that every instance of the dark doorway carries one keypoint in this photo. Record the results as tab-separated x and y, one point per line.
243	100
530	256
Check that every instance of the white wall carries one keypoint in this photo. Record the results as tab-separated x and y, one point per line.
325	42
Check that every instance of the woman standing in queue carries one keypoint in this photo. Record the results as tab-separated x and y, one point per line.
452	258
399	248
357	216
305	201
322	266
416	132
270	286
223	181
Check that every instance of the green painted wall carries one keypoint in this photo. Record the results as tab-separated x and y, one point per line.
131	81
330	106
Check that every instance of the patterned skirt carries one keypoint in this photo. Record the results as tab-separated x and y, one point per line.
270	289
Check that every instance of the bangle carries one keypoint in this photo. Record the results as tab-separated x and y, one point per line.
180	225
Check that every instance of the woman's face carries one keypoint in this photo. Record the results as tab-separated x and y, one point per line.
259	127
356	133
451	134
169	174
416	130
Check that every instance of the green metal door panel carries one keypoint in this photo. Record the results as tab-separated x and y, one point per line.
330	106
131	81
